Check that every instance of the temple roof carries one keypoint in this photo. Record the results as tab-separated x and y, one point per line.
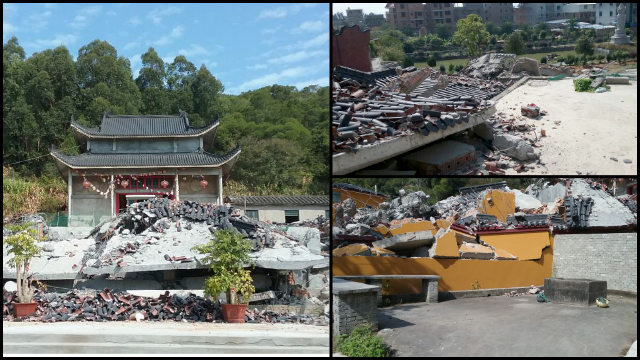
280	200
192	159
143	126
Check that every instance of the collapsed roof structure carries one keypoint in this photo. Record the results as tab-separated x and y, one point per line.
467	225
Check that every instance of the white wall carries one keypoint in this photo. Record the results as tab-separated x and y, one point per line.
276	213
605	8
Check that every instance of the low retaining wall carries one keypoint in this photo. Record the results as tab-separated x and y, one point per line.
612	257
354	304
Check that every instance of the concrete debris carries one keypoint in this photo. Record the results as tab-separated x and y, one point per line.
489	66
514	147
527	65
401	224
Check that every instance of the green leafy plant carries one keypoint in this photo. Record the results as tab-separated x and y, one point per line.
543	60
475	285
22	243
226	256
582	85
442	69
362	343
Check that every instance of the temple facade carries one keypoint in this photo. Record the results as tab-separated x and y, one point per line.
130	158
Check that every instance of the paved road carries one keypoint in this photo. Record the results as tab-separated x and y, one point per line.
503	326
163	337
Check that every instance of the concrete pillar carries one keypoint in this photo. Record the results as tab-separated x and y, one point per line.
177	188
69	185
432	290
113	200
220	188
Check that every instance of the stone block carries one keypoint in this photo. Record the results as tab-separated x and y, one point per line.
577	291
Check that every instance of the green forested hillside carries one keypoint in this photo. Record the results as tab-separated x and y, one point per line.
283	131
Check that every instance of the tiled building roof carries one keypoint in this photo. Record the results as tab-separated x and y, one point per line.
90	160
144	126
292	200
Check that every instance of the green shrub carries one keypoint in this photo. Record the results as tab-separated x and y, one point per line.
609	57
560	59
431	61
442	69
362	343
582	85
459	67
543	60
451	68
407	62
571	59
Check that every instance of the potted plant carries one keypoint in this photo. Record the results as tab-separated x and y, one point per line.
227	256
22	243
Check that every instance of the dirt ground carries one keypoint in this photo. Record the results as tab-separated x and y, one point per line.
594	133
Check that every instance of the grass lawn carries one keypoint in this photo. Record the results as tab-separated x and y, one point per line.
464	62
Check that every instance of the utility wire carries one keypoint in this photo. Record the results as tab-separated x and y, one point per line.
37	157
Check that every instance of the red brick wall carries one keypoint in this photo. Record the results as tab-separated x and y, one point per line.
351	49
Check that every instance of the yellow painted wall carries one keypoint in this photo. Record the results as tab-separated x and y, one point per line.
414	227
524	245
502	204
359	198
456	274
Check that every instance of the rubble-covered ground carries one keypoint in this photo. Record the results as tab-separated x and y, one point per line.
105	305
530	132
158	234
408	226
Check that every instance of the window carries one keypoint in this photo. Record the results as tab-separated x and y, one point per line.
448	20
335	197
585	7
253	214
402	14
600	13
447	12
610	13
291	216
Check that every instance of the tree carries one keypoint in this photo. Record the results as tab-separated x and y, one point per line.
584	46
506	28
525	31
471	33
443	31
206	89
515	44
431	61
492	28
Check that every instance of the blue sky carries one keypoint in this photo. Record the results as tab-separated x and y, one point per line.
245	46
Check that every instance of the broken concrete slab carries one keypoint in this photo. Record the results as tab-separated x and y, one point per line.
606	209
484	130
475	251
524	201
352	250
445	246
528	65
406	241
410	227
502	254
514	147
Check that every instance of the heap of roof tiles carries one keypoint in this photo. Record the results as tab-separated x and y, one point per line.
368	107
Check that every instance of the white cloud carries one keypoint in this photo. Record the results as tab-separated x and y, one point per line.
8	27
157	15
312	26
131	45
210	64
316	41
59	39
282	11
322	81
168	59
256	67
297	56
135	21
273	13
135	60
84	15
194	50
49	5
269	41
269	31
273	78
168	39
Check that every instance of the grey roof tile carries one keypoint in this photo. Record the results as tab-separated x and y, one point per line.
144	126
280	200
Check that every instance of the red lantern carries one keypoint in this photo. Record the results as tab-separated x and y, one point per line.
164	184
86	183
124	183
204	183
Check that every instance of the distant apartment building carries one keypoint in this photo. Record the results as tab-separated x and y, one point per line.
585	12
372	20
606	14
496	13
407	15
417	15
519	15
355	17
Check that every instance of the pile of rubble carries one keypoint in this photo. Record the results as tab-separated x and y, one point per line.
106	305
366	111
453	227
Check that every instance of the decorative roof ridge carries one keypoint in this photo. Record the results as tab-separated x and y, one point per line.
362	29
